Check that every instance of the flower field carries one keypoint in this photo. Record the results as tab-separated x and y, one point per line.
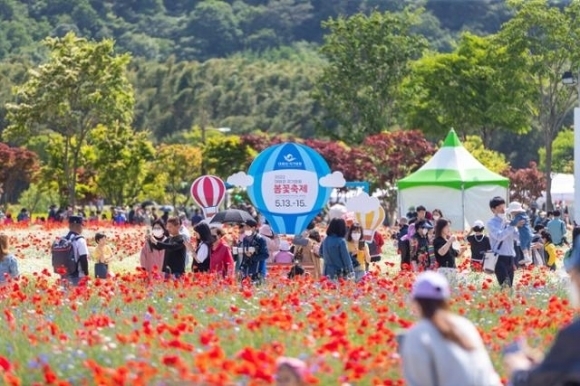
206	331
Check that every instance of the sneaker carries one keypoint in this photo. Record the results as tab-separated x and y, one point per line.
527	261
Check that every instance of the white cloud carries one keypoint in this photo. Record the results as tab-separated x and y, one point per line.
363	203
336	211
240	179
334	180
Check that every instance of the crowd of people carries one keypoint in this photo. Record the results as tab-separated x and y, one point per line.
442	348
425	240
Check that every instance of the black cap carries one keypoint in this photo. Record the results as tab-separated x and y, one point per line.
251	223
423	224
75	220
496	201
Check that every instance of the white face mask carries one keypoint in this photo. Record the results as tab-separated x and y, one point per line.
424	231
502	216
435	218
573	295
248	233
157	233
355	236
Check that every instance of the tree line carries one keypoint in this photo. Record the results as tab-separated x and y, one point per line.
375	72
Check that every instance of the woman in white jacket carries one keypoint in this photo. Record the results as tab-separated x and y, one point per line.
443	349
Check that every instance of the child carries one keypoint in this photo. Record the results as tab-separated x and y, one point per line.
518	214
538	252
550	249
479	244
284	256
103	256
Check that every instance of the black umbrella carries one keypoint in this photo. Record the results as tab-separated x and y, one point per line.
231	216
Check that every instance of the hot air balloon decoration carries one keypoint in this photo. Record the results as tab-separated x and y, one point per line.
289	184
368	212
370	222
208	192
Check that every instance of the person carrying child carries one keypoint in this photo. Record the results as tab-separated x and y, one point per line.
518	213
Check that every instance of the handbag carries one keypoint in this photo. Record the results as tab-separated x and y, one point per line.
101	270
490	260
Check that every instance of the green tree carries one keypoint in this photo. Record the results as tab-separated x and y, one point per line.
120	162
491	159
179	166
212	30
542	41
224	155
475	90
562	152
82	85
368	57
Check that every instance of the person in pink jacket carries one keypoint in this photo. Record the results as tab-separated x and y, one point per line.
151	258
284	256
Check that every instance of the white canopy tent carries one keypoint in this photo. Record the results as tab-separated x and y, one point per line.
454	182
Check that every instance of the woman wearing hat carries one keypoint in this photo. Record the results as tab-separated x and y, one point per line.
561	365
273	243
443	348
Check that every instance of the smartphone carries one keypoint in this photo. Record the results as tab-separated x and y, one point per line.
361	244
512	348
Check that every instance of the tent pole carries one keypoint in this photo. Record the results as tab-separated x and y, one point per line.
463	205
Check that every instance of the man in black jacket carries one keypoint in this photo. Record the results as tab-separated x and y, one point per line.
175	249
255	250
561	366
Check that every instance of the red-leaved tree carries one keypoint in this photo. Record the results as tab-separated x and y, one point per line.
18	166
395	155
354	164
261	141
526	184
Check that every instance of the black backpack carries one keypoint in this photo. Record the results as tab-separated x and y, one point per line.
64	260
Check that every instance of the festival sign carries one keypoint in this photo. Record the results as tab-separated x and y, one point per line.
289	184
208	192
368	212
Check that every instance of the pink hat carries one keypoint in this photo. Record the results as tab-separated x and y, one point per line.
266	230
297	365
431	285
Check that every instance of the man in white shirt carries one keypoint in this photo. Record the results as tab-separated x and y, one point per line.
75	224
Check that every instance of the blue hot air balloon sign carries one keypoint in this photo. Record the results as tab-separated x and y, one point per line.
289	184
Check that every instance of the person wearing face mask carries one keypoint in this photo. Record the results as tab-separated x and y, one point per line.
358	250
436	214
175	250
479	244
502	238
420	246
255	250
222	261
151	259
561	365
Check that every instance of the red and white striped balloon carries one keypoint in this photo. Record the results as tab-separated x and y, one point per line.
208	192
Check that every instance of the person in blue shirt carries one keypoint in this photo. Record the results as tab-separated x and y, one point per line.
334	250
557	229
502	237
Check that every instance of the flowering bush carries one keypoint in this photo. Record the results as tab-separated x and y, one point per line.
206	331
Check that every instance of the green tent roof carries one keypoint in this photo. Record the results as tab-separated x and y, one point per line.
452	166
